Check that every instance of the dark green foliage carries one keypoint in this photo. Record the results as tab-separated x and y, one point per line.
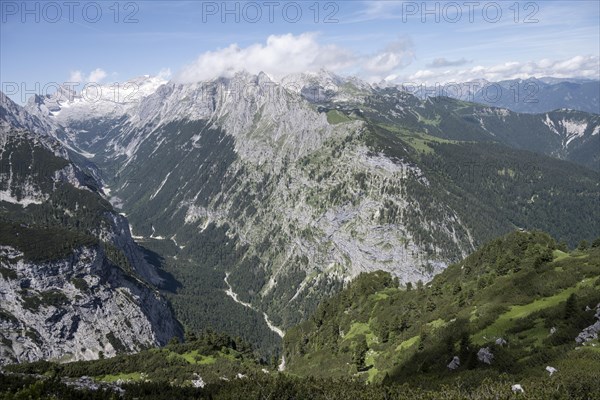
8	274
117	257
492	202
40	243
80	284
174	363
573	384
15	387
571	307
202	303
360	352
116	343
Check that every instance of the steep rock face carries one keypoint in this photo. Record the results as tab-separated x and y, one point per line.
293	187
16	117
79	308
73	282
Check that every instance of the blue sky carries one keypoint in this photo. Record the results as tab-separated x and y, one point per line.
376	40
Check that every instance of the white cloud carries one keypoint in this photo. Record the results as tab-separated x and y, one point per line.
76	76
396	55
96	76
282	55
164	74
575	67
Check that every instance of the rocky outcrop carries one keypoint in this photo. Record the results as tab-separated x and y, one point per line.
517	388
485	355
83	296
591	332
79	308
454	364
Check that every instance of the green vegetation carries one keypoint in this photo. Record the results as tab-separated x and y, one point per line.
68	219
212	356
516	288
42	243
504	322
130	377
336	117
287	387
202	302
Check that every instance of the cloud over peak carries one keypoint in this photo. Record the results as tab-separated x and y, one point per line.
282	55
95	76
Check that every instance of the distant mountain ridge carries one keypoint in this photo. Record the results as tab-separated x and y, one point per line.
531	96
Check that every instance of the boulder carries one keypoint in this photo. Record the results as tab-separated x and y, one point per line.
517	388
592	331
485	355
454	364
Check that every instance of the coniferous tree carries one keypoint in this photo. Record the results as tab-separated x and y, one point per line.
571	310
360	352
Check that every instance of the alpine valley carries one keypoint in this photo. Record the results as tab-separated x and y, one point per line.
332	225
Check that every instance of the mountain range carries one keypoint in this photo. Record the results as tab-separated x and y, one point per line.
532	96
255	200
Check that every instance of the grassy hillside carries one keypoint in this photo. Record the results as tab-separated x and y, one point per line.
520	296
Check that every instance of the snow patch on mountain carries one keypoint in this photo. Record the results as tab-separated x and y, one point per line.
550	124
94	100
573	129
24	200
160	186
